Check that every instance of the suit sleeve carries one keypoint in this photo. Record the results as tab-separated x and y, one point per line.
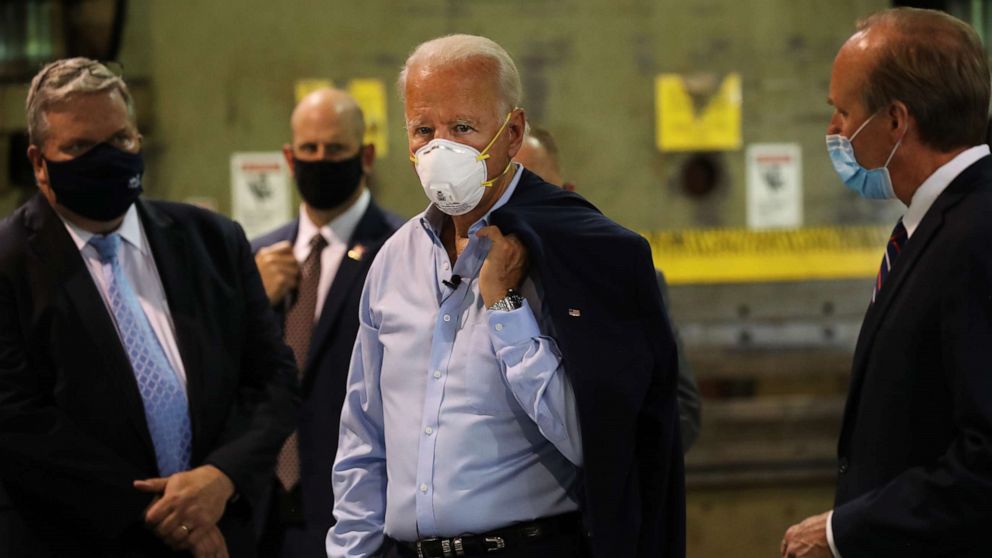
943	508
45	457
268	396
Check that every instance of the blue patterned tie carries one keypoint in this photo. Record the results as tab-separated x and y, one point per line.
163	395
892	250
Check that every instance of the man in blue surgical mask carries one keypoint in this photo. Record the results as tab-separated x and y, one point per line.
910	91
144	389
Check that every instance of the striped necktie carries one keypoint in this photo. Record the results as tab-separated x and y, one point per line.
892	250
162	393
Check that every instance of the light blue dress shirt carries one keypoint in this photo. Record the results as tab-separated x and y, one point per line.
457	419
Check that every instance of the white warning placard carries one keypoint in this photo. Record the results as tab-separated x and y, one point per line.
774	186
260	191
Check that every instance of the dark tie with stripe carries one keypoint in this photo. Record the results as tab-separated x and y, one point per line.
299	330
892	250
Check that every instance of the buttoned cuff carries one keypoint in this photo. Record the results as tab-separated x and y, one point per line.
507	329
830	535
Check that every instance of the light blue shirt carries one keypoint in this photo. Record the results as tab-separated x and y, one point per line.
457	419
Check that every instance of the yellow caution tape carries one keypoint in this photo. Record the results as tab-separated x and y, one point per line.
748	256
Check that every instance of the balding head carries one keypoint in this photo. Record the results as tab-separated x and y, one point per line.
328	109
539	153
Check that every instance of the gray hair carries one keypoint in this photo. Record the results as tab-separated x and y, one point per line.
62	79
452	49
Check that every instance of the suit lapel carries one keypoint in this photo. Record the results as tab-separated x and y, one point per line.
55	252
361	248
170	249
902	268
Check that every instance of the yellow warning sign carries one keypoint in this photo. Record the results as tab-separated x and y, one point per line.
371	96
747	256
304	87
697	114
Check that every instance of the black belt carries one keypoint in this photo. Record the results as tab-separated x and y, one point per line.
514	536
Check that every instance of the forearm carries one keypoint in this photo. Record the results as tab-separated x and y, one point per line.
532	365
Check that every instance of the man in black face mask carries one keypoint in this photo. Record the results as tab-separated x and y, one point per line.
144	388
313	270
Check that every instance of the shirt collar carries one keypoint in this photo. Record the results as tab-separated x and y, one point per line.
130	231
339	230
433	218
936	183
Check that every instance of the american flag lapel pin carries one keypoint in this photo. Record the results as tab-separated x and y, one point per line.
357	252
574	312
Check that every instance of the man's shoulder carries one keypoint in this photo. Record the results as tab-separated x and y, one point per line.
283	232
14	231
556	214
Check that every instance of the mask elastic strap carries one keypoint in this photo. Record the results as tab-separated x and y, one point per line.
482	156
489	183
893	153
862	127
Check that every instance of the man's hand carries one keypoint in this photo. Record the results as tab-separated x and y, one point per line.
807	539
505	265
189	501
279	270
207	542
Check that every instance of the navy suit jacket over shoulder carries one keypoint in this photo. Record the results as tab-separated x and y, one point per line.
618	350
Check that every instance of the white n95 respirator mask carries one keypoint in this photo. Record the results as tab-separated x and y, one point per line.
453	174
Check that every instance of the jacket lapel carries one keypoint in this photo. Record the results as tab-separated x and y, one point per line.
170	250
362	247
57	254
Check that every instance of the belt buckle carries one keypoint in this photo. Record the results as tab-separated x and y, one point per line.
434	544
494	544
420	546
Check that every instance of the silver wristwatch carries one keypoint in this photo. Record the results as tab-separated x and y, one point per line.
511	301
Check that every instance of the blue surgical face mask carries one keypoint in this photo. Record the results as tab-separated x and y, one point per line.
873	184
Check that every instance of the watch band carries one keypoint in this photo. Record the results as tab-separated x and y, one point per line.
511	301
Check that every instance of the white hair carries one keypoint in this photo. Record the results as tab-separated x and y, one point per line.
62	79
452	49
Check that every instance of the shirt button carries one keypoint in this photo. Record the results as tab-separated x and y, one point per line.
447	317
437	373
446	266
429	430
499	327
423	488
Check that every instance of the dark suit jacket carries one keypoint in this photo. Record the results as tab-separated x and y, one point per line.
915	472
326	371
616	342
73	434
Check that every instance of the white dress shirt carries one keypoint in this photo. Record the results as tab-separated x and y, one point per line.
337	233
139	268
923	199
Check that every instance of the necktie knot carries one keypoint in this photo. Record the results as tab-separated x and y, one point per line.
317	244
107	247
897	240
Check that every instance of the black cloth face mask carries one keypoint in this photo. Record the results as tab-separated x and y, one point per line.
100	184
327	184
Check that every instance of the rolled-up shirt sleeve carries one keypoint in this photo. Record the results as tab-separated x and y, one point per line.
532	365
